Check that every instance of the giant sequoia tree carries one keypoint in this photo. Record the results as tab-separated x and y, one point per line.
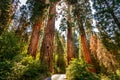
37	14
47	48
70	44
107	48
82	14
107	60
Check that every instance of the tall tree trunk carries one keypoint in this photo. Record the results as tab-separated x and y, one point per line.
113	15
33	46
34	38
70	44
86	51
47	48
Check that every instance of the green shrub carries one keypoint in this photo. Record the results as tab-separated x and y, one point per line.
77	71
27	68
115	76
112	76
35	71
10	46
5	69
59	64
15	64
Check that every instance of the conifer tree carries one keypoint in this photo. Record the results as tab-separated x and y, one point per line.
107	60
47	48
37	8
70	44
108	23
83	17
5	15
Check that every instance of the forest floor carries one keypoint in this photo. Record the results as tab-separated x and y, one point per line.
57	77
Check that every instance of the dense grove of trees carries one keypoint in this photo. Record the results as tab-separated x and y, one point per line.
32	47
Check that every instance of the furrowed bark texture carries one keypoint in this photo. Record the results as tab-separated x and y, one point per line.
70	44
86	50
47	48
32	49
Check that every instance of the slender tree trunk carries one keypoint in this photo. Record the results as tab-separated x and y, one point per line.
86	51
70	44
113	15
32	49
115	19
47	48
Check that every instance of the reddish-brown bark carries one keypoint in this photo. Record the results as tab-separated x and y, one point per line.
104	57
70	45
86	50
33	46
32	49
93	43
47	48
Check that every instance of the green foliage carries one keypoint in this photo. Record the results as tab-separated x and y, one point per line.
72	1
77	71
112	76
24	67
76	43
59	54
36	9
5	69
35	71
21	17
5	14
10	46
59	63
54	0
115	76
15	64
107	12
